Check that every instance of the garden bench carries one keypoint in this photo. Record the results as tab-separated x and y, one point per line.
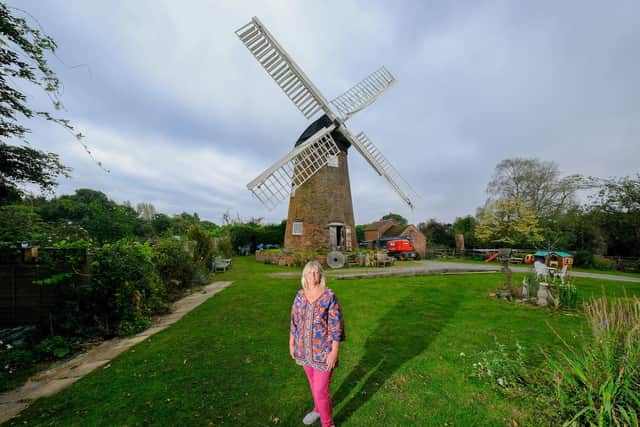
221	264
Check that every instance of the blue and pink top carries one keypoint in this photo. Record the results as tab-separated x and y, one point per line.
314	327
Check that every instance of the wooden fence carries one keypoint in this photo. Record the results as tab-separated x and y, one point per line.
21	300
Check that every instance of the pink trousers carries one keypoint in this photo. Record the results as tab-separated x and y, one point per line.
319	383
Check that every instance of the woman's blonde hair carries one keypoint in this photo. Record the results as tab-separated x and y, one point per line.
313	265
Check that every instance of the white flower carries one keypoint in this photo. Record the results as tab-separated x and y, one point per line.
462	354
9	346
489	372
501	382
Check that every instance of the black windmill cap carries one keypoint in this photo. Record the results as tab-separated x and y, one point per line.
323	122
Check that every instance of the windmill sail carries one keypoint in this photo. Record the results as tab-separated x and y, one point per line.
289	173
381	165
286	73
364	93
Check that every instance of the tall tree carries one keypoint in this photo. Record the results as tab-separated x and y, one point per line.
22	64
437	233
538	184
509	222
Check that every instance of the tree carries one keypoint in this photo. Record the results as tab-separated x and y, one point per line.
536	183
396	217
509	222
617	211
437	233
467	227
22	60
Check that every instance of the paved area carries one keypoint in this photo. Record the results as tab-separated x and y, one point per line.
55	379
440	267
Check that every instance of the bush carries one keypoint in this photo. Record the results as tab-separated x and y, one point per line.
602	263
583	259
126	289
598	383
173	262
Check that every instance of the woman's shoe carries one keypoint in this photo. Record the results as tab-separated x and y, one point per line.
310	418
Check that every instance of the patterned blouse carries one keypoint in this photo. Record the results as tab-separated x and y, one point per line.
314	327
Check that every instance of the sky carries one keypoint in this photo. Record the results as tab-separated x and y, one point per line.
183	116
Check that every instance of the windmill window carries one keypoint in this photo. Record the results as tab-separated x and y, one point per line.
296	230
332	161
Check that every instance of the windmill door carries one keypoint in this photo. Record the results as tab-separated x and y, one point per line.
335	236
347	239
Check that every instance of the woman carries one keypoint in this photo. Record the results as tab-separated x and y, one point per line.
317	328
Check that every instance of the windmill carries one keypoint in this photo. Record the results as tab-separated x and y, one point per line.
314	175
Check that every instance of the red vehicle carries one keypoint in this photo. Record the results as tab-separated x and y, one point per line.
402	249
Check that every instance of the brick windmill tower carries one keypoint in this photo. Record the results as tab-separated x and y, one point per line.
314	175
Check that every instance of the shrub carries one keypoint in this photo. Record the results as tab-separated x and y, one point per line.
126	289
602	263
583	259
173	262
598	383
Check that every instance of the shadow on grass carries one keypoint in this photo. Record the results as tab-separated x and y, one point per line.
404	332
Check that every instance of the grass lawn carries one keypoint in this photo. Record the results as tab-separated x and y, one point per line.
227	362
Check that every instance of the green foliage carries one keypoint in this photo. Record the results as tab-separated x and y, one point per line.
55	347
360	232
23	63
396	217
616	210
602	263
583	259
597	382
203	245
20	223
223	247
174	262
567	295
437	233
126	289
508	222
103	219
467	227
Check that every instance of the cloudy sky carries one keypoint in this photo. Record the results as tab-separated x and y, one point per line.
183	116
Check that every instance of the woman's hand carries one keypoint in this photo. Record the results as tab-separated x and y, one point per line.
291	348
332	358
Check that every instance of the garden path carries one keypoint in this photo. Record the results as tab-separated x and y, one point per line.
55	379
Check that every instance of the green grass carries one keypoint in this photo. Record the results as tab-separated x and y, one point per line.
227	362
